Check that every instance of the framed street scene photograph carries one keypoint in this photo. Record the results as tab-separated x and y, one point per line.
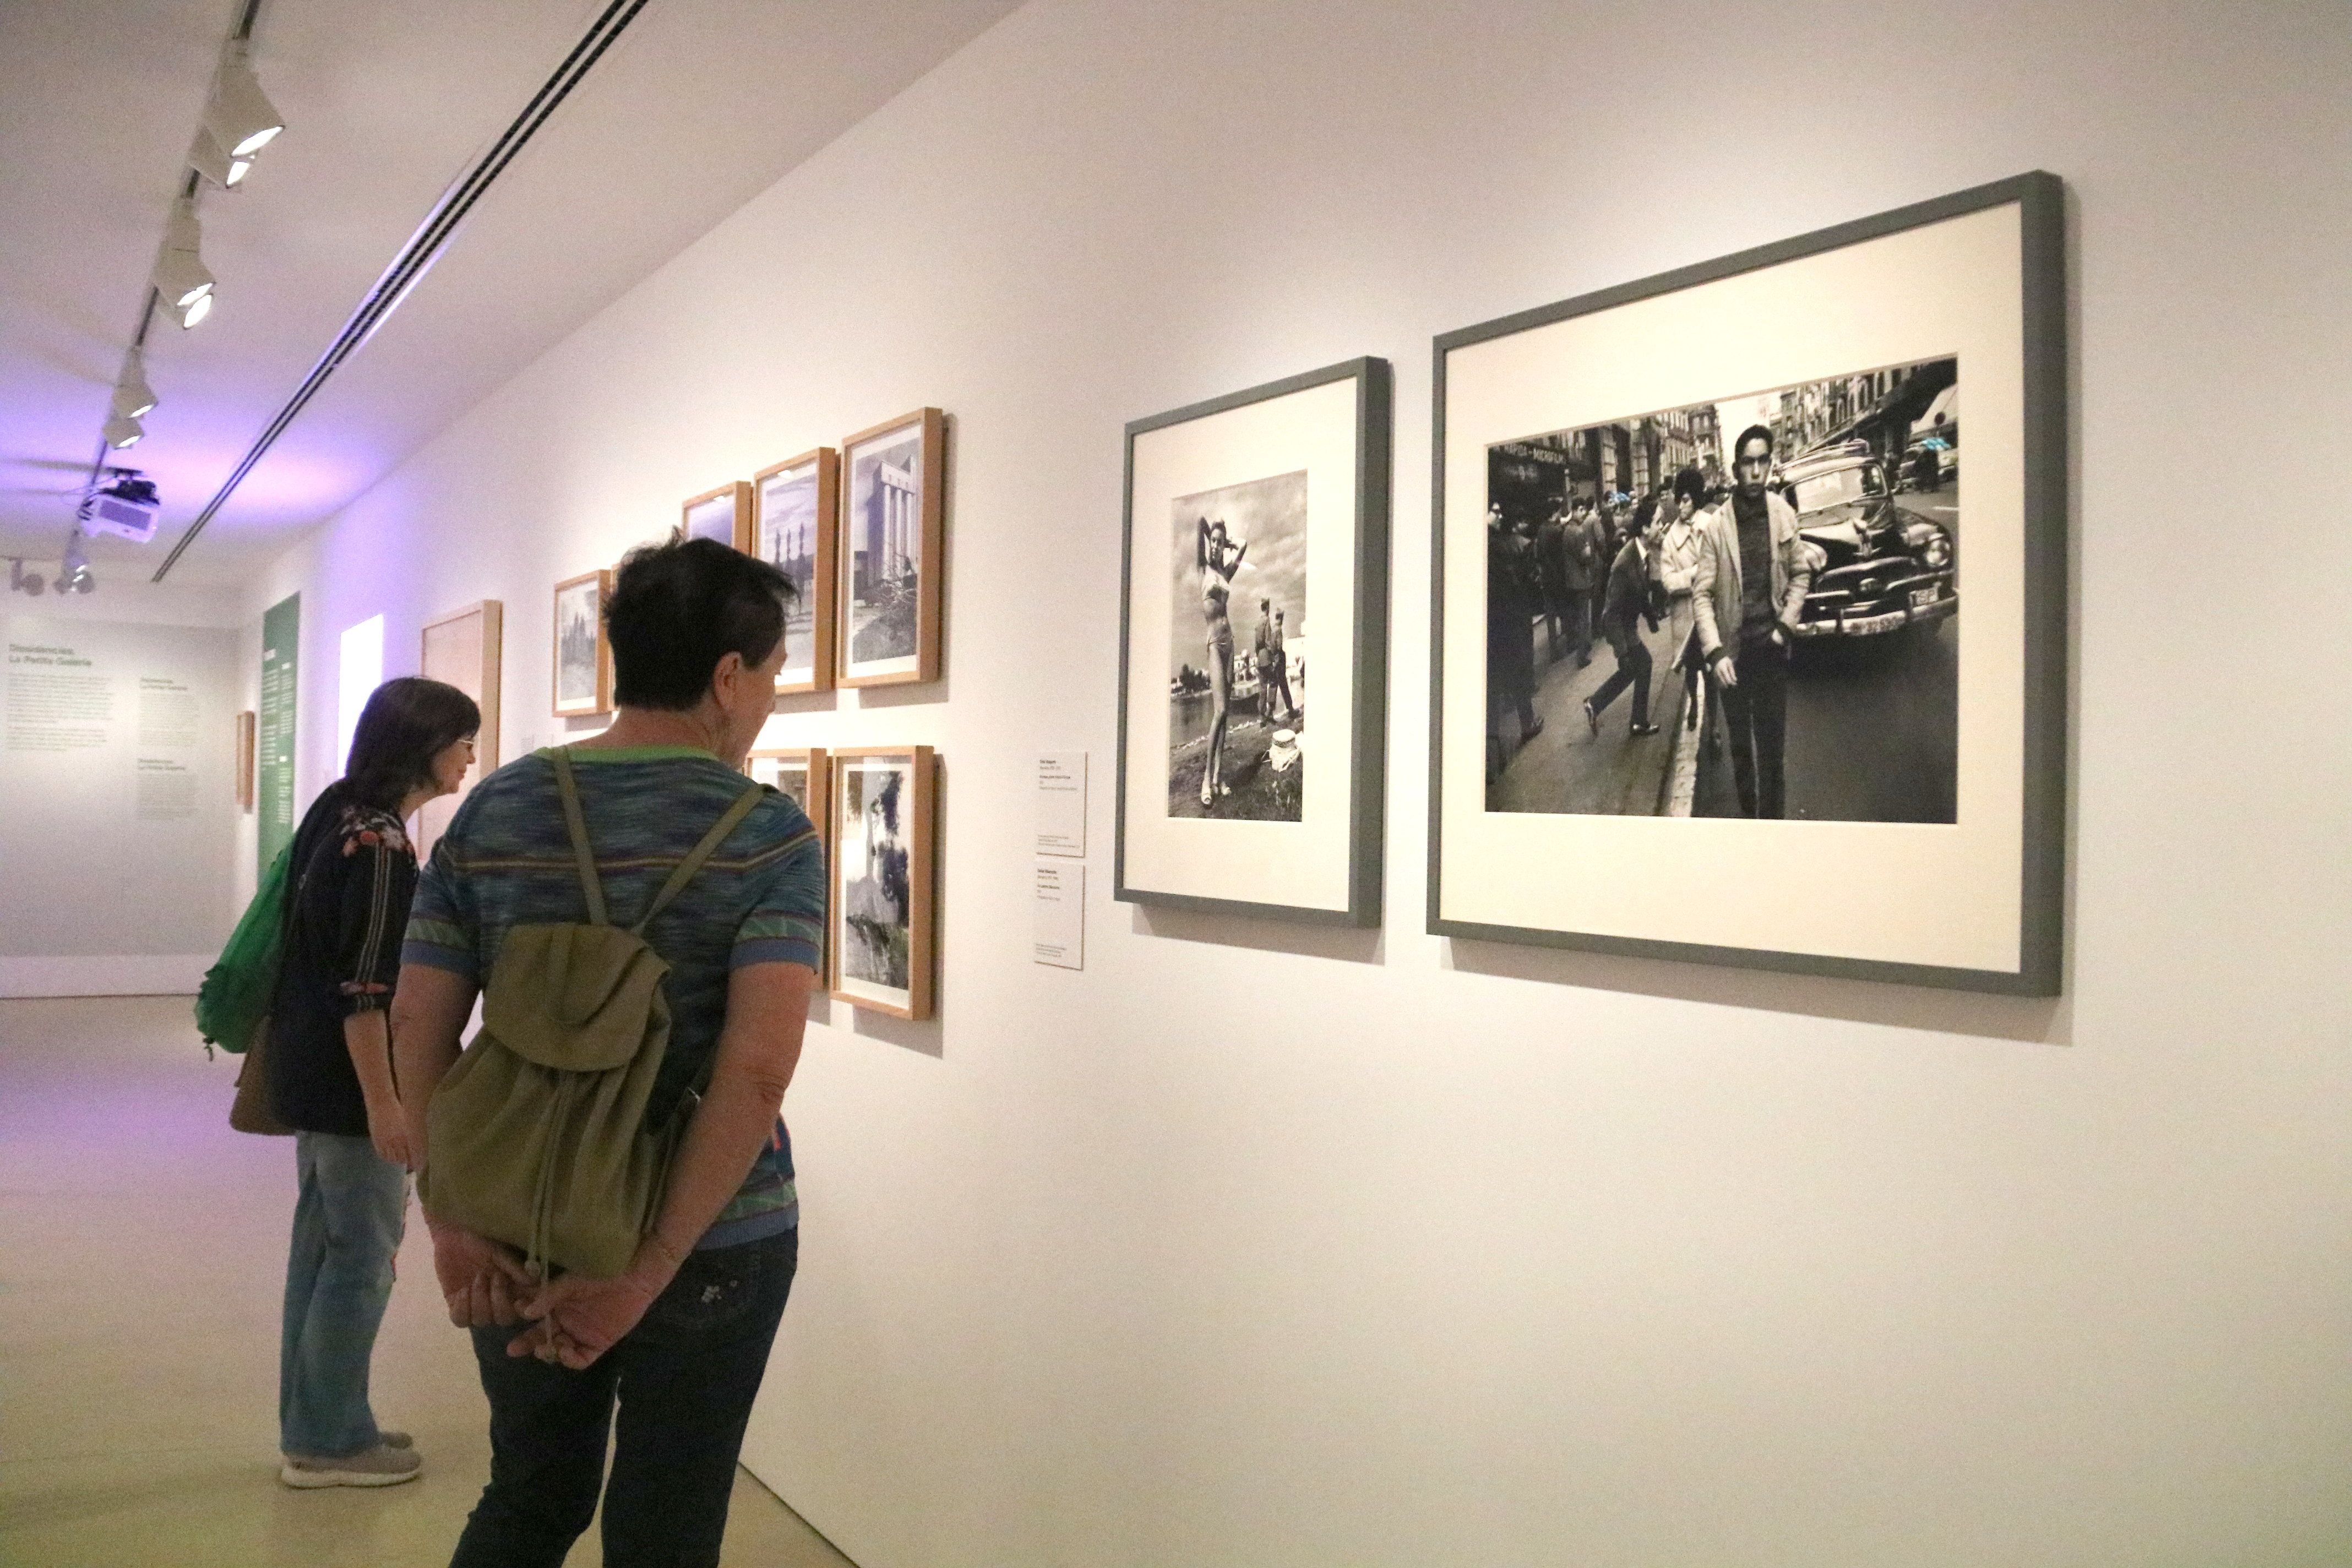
893	512
722	516
583	660
1253	665
792	509
801	773
1737	660
881	848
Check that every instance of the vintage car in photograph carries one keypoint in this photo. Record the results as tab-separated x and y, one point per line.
1878	567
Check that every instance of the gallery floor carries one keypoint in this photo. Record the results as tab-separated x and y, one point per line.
142	1255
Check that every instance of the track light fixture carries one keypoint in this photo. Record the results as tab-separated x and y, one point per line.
205	157
122	432
180	277
239	116
134	398
74	575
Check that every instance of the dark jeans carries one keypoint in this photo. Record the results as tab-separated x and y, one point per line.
685	1377
1279	681
1756	716
1632	669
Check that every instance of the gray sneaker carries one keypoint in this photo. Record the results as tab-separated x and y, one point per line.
382	1466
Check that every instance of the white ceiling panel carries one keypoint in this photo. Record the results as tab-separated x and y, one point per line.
700	105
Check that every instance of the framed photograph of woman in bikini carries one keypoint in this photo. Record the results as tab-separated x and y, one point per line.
794	506
1745	478
881	848
891	552
1253	665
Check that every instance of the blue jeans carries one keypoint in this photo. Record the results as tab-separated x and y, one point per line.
685	1377
347	1224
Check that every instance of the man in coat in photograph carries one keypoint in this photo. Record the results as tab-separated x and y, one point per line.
1747	592
1580	571
1551	568
1630	599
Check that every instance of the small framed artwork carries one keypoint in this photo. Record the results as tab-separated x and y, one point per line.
794	505
584	659
882	848
722	516
891	552
464	648
246	735
1736	661
1254	639
803	776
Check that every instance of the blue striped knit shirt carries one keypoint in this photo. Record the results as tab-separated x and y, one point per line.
507	860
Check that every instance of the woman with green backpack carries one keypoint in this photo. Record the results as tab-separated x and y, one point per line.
351	875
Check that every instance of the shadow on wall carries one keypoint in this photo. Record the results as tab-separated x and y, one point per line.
920	1036
2041	1020
1350	944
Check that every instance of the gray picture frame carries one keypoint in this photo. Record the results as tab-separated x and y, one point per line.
1367	713
2040	198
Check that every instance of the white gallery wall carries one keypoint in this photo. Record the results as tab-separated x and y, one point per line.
118	808
1252	1244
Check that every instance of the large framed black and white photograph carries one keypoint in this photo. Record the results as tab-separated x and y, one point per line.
1253	666
1738	659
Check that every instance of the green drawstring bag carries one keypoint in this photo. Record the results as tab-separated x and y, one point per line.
238	990
537	1136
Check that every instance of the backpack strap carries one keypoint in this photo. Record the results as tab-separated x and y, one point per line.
699	853
590	883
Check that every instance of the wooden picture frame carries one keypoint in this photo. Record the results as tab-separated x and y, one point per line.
882	872
247	740
1836	842
890	554
1296	474
812	790
590	665
464	649
797	503
722	516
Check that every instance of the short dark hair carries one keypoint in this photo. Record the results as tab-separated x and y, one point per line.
1691	484
406	723
677	609
1754	432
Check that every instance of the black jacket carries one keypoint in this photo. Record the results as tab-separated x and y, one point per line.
349	884
1631	591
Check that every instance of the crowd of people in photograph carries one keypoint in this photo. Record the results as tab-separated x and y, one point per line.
1718	567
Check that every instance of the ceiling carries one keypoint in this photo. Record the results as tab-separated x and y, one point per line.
700	105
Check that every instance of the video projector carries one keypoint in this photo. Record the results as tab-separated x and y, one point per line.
125	509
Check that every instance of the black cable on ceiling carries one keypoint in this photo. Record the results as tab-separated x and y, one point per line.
416	256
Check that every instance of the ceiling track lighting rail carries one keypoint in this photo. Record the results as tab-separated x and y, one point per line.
416	257
239	120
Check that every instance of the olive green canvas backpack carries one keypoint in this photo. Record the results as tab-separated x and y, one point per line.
537	1136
